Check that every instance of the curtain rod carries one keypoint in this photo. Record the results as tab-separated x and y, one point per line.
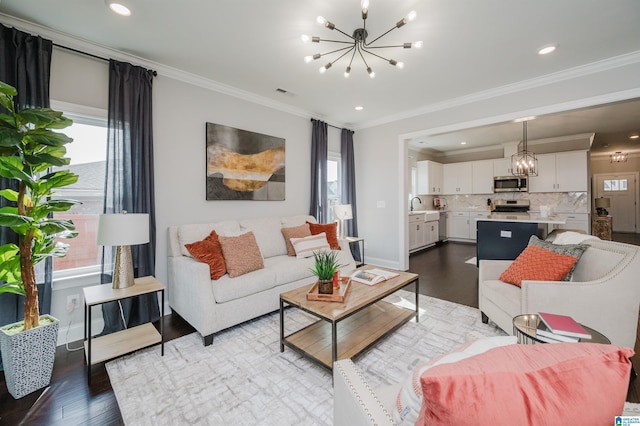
155	73
330	125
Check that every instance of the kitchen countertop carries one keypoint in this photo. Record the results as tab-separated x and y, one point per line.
556	219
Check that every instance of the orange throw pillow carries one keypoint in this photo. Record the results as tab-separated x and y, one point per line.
209	251
241	254
330	229
536	263
295	232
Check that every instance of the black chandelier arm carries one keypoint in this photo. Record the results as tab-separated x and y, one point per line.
342	32
335	41
338	50
385	47
352	56
379	37
374	54
362	56
345	53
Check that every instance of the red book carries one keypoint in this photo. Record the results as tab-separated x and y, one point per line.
564	325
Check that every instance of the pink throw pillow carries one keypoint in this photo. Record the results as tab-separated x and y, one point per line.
562	383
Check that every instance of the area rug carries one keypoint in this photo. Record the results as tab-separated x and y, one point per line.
244	379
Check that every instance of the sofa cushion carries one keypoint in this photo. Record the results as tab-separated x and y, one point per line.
241	254
188	234
508	297
571	383
209	251
268	235
409	399
536	263
306	246
596	263
331	231
226	288
289	269
299	231
289	221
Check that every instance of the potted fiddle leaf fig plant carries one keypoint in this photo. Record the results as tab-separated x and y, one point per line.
29	148
326	265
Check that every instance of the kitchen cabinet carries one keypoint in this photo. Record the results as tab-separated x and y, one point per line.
575	221
482	177
473	217
457	178
502	167
561	172
458	224
429	178
431	230
421	233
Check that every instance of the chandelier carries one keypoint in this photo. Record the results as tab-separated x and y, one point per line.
524	163
618	157
357	43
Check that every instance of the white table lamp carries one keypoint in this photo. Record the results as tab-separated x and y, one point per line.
123	230
342	212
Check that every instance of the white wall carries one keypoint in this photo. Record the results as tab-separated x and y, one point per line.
381	152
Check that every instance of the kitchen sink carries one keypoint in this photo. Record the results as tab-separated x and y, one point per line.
429	215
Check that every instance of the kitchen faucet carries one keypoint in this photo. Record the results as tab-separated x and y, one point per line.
415	198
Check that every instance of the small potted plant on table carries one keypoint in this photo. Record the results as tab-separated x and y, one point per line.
28	149
325	267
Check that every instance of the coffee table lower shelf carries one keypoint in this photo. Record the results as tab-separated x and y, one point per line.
355	333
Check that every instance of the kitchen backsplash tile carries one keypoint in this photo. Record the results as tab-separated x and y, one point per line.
577	202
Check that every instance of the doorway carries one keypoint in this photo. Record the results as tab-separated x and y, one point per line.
621	189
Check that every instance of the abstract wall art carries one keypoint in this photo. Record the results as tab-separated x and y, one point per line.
243	165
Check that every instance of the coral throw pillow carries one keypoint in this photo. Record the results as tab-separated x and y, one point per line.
559	384
209	251
295	232
331	231
241	254
538	264
574	250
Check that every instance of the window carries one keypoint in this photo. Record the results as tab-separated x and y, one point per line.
88	153
615	185
333	183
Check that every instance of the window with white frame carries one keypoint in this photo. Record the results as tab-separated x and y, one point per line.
333	183
615	185
87	153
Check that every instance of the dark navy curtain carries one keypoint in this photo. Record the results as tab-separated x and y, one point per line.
25	63
348	186
319	155
129	183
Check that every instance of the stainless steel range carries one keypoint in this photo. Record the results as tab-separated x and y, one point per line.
511	206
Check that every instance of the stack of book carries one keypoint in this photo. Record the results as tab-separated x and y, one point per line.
555	328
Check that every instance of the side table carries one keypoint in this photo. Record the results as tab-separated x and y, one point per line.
104	348
360	242
602	227
525	329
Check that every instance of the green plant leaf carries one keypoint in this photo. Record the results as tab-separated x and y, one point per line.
12	220
12	168
7	89
47	137
10	137
9	194
57	180
56	226
47	160
40	117
7	121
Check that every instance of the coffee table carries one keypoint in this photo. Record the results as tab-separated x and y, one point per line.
344	330
525	329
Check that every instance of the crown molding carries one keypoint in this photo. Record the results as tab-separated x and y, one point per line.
63	39
533	83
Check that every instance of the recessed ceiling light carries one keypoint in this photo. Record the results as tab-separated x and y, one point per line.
359	108
634	137
463	143
545	50
119	8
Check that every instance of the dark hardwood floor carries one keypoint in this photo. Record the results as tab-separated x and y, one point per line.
70	401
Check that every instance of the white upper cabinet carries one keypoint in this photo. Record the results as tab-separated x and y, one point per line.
561	172
457	178
429	178
502	167
482	177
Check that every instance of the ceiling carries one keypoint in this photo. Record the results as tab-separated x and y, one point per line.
469	47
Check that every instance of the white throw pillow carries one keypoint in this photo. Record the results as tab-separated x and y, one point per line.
409	400
305	247
571	237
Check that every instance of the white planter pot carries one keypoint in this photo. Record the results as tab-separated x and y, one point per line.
28	357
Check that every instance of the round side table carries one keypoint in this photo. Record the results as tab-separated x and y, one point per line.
525	328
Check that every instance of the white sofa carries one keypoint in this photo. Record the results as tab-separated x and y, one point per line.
213	305
604	293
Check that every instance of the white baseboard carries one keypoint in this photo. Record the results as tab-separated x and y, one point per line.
385	263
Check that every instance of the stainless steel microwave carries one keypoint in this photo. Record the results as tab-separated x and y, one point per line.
510	184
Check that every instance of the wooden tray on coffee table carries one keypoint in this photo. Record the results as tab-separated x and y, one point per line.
339	294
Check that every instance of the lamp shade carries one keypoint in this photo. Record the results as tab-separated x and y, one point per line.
123	229
603	203
342	211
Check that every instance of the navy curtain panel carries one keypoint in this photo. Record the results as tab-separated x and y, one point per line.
25	63
129	184
319	153
348	186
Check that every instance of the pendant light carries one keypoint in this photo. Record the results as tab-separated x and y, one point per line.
524	163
